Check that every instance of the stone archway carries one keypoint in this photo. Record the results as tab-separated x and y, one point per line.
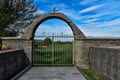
29	33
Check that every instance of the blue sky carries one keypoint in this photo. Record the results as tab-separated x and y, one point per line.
97	18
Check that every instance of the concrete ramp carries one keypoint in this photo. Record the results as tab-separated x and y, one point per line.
52	73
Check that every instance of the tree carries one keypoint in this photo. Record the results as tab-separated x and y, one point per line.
15	16
47	41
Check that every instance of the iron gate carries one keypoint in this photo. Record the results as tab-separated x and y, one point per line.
53	50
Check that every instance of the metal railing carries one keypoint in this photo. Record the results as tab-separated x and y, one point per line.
53	50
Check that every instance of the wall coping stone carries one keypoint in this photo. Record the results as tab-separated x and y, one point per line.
108	47
97	39
10	37
3	52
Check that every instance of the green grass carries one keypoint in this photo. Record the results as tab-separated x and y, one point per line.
62	54
90	75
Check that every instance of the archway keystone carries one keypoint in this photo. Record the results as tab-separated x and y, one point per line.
29	33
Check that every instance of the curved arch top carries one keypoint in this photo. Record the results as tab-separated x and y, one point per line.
29	33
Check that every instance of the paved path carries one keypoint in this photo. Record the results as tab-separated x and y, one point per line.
52	73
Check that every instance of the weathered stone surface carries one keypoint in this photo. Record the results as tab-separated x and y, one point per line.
105	61
29	33
11	63
17	43
81	49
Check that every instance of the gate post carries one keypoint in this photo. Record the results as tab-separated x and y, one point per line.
52	48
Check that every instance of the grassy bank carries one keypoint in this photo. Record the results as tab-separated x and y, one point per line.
89	74
60	54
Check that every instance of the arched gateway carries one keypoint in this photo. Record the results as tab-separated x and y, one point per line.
29	33
55	53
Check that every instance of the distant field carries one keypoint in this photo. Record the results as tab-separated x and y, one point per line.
62	54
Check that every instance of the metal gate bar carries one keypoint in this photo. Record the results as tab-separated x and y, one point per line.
53	50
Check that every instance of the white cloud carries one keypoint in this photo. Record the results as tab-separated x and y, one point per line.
103	14
49	29
91	20
90	8
71	13
86	2
107	24
97	15
111	23
41	11
41	0
102	29
61	6
101	32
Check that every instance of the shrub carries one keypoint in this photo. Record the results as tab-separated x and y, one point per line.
4	47
46	42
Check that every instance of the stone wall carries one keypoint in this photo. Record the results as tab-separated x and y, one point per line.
81	49
105	61
17	43
11	63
